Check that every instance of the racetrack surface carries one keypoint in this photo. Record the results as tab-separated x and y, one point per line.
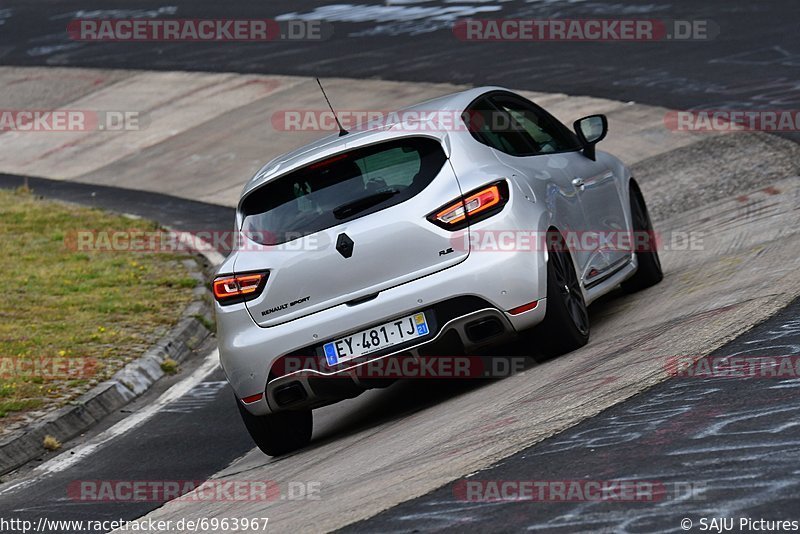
163	448
718	446
744	273
209	131
430	433
425	435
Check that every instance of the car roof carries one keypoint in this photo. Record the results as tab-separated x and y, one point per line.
363	134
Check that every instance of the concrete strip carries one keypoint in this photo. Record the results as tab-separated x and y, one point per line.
166	103
38	88
210	163
205	134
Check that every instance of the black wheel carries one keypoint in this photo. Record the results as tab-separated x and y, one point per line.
649	272
280	432
566	322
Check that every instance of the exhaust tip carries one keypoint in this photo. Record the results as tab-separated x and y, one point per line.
483	329
289	394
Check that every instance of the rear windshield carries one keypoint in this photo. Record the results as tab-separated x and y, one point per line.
341	188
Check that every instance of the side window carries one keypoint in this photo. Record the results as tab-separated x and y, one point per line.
547	134
517	127
496	128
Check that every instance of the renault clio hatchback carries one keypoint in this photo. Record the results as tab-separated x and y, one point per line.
393	241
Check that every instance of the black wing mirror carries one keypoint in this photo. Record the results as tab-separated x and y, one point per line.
591	130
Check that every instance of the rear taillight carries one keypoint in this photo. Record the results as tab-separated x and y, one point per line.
472	207
230	289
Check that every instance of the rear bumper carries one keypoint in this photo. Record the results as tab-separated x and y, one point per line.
498	281
318	386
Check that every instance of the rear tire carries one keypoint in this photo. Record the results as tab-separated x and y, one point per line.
566	322
649	272
278	433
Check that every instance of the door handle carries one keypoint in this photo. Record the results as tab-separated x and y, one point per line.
578	183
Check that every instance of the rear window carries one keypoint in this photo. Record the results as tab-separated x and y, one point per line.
341	188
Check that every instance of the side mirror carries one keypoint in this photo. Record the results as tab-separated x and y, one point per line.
591	130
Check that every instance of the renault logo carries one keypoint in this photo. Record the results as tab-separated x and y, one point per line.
344	245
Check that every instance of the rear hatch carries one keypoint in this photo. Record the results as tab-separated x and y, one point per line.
347	227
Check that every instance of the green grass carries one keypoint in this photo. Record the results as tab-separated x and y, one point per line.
96	307
209	324
169	366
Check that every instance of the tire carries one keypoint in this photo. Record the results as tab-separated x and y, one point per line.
278	433
566	322
649	272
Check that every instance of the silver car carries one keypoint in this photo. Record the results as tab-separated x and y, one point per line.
457	223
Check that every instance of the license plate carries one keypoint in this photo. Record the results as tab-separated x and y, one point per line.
376	338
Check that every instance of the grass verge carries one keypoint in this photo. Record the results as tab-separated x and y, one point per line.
70	319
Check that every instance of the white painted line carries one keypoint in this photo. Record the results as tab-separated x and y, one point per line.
72	456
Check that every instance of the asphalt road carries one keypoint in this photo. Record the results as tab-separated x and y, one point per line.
718	446
165	447
752	63
381	450
177	213
680	431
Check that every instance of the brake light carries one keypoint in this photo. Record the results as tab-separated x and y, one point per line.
473	206
326	162
230	289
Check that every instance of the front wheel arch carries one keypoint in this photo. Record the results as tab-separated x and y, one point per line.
649	271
